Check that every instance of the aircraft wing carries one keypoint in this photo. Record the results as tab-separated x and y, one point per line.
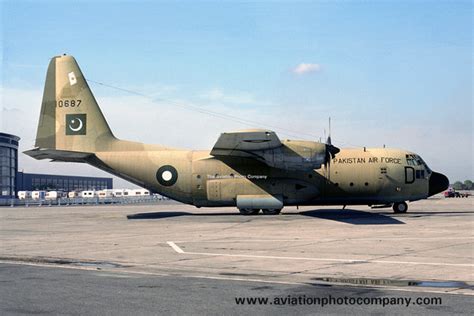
266	147
246	143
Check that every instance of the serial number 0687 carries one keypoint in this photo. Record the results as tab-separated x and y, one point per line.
68	103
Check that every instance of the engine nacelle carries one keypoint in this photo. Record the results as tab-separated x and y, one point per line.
296	155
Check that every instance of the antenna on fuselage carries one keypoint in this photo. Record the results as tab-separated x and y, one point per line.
329	135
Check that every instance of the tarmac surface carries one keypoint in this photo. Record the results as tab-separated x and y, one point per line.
179	259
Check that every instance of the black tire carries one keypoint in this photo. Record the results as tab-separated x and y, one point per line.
271	211
249	211
400	207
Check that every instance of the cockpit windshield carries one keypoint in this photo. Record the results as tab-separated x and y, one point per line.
424	164
415	160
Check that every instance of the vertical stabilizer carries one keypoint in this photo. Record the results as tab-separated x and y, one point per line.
70	117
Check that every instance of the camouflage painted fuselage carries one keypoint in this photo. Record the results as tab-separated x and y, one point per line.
355	176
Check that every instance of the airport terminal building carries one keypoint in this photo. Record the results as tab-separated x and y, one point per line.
8	165
12	181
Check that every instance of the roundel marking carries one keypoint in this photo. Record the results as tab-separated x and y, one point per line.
167	175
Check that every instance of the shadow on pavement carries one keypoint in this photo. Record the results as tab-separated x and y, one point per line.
161	215
353	217
346	216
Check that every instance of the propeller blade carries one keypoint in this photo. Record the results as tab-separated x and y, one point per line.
331	152
331	149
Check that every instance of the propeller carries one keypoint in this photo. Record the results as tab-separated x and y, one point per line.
331	152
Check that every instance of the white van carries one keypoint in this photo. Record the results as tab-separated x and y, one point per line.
24	195
118	193
38	195
105	194
88	194
52	195
73	194
140	192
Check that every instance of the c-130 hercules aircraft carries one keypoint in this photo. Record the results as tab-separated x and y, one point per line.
251	169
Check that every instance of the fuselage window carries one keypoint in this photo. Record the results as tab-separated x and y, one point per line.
420	174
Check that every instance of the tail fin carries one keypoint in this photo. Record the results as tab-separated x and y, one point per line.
70	118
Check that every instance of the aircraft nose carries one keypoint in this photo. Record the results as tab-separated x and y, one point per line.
438	183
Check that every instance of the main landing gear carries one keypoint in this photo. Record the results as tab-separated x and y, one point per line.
400	207
249	211
255	211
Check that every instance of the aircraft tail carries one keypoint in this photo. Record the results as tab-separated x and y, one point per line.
70	118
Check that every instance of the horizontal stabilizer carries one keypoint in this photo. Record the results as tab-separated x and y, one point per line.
58	155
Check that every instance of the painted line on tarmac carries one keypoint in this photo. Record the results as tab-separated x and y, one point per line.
219	278
175	247
181	251
321	239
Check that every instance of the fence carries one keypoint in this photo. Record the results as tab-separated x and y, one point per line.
84	201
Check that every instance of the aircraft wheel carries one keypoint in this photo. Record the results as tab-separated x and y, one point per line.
400	207
249	211
271	211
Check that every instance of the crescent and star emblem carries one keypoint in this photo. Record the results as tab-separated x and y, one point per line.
73	122
76	124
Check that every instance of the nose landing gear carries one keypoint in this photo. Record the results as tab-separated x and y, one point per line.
400	207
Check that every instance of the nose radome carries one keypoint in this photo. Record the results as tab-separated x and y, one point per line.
438	183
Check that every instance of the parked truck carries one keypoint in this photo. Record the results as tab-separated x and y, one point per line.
451	193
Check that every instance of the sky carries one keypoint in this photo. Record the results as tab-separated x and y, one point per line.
394	73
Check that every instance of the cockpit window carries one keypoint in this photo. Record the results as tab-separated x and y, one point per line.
415	160
424	164
412	160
